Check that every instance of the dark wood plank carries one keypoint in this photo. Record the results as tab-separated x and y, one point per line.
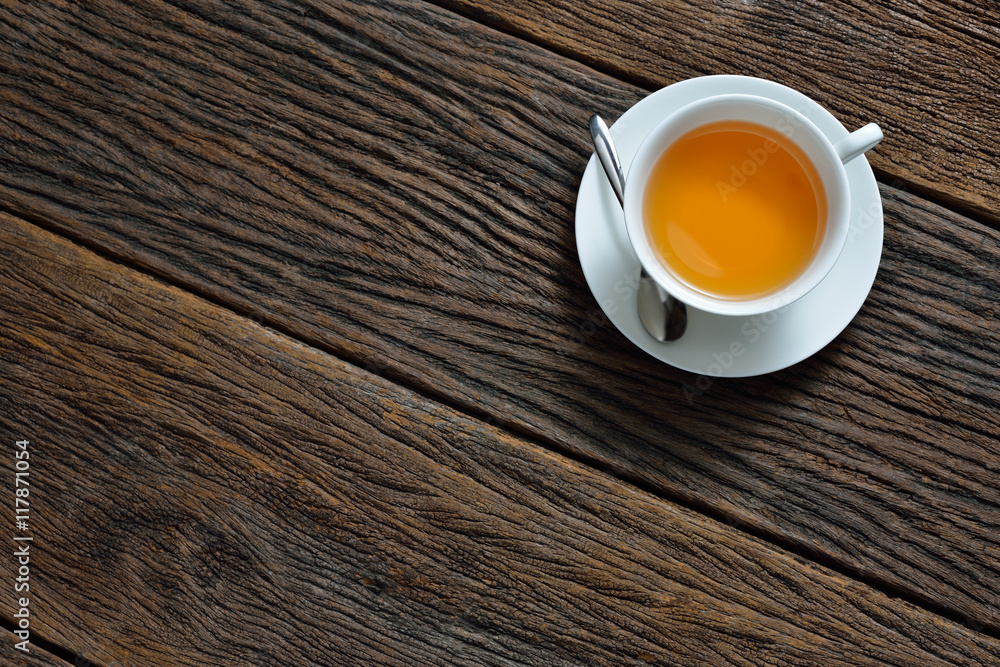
211	492
35	657
925	72
396	185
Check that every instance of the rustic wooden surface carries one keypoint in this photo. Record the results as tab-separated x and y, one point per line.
251	500
393	184
927	72
266	184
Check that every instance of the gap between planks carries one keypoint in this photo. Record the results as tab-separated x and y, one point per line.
42	652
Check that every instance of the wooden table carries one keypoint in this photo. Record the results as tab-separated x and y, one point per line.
296	331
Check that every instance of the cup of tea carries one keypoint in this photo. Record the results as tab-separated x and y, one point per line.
738	204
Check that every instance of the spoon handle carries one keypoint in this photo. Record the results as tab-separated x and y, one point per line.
608	156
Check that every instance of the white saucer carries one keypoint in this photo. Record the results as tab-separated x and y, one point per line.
718	345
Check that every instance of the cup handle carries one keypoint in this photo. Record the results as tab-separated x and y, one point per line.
858	142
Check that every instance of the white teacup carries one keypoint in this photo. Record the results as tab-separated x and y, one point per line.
827	158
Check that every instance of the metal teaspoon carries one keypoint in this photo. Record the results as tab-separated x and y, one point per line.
663	316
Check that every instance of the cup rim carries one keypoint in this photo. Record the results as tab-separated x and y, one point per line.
834	178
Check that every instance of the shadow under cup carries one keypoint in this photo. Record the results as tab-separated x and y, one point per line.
791	127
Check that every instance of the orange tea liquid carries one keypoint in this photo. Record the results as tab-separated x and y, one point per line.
735	209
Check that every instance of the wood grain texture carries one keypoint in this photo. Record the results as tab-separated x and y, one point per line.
211	492
395	184
926	72
35	657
